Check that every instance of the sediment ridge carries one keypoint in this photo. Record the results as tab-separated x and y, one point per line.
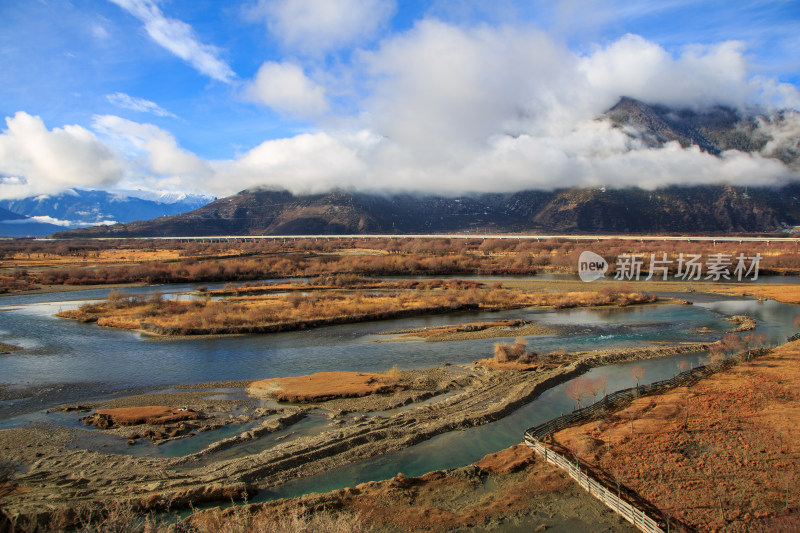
58	478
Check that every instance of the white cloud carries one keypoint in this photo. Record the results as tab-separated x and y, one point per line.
285	88
155	152
784	135
441	90
179	38
700	76
507	108
305	163
316	27
133	103
99	32
51	160
445	109
44	219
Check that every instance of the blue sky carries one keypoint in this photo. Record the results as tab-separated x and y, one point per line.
214	97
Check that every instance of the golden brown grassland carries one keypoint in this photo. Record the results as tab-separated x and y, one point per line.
30	264
719	455
267	313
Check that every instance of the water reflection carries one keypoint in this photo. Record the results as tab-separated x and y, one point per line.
69	362
459	448
84	357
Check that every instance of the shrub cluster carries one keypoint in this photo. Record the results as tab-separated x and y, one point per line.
510	353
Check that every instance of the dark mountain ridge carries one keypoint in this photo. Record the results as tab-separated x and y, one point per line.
701	209
675	209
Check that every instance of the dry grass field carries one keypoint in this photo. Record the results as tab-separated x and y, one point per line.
279	312
788	294
720	455
30	264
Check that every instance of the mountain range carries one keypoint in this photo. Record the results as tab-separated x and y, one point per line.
706	209
681	209
713	130
77	208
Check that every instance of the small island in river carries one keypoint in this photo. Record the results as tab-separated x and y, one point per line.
269	313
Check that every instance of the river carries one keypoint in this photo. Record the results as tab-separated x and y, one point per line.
68	362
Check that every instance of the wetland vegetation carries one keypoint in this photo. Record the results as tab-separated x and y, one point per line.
358	396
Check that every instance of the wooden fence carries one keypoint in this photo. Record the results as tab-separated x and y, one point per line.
615	399
595	488
632	514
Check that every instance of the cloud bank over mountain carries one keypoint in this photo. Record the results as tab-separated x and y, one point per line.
438	107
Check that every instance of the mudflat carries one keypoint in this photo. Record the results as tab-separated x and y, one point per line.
58	476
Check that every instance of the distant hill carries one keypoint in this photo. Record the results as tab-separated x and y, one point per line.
14	225
78	208
684	209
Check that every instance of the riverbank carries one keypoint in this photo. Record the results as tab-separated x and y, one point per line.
327	386
511	488
788	294
59	476
721	454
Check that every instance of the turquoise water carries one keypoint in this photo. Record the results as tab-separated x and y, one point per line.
460	448
69	362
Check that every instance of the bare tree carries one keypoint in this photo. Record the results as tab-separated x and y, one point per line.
716	353
786	479
667	511
576	389
720	491
732	343
637	373
602	383
593	387
753	341
632	413
618	475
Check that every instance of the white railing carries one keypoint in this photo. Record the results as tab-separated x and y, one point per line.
614	501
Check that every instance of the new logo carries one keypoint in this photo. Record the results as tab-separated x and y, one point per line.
591	266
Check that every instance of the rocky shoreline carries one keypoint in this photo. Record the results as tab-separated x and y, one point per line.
53	478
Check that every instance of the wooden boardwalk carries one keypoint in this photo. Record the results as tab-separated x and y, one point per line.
533	437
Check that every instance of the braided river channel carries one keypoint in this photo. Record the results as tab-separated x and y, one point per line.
68	362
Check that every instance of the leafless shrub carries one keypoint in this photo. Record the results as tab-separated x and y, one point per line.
394	373
504	352
501	352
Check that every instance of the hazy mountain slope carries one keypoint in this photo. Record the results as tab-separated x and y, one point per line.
673	209
81	207
5	214
14	225
713	130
